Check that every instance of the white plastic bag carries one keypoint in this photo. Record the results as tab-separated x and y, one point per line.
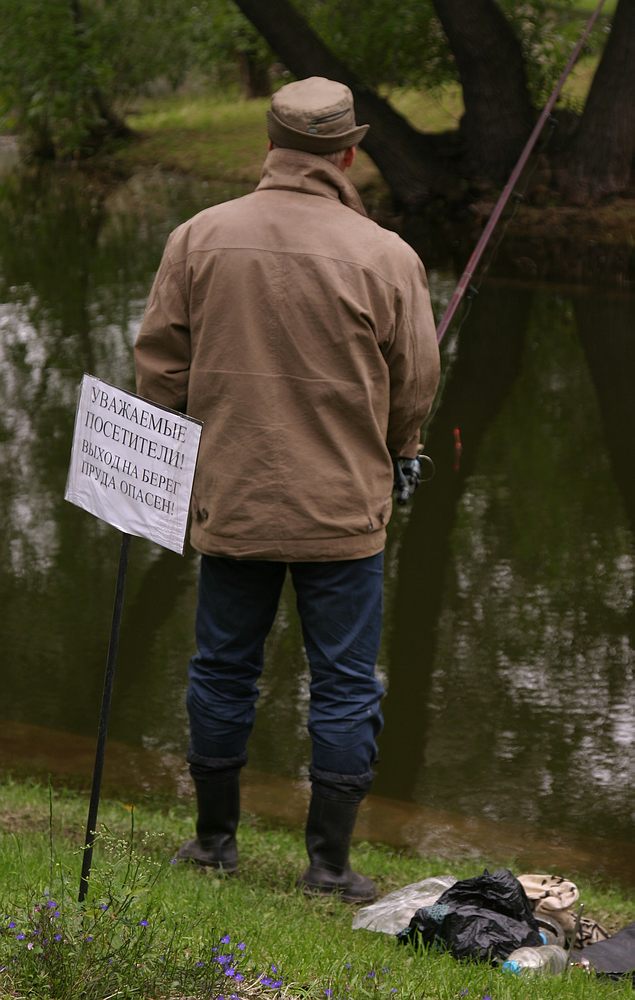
393	912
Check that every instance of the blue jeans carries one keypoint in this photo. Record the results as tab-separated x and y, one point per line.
340	608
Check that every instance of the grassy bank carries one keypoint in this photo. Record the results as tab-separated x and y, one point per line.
218	139
222	137
156	929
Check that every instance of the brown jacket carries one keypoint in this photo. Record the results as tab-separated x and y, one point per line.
301	334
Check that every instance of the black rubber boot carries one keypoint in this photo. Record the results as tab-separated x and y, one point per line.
329	829
218	799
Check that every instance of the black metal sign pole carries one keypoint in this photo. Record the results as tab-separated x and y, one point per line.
104	714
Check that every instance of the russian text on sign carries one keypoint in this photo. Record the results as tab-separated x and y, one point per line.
133	463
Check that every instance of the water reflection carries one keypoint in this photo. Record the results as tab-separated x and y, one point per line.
508	646
486	362
520	574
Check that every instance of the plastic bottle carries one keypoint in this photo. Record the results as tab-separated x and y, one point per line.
548	959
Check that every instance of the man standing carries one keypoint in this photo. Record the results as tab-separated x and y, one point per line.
301	334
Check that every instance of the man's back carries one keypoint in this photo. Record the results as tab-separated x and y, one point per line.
307	356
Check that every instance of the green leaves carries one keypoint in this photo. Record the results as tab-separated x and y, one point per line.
395	45
69	68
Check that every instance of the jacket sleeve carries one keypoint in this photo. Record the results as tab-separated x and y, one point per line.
162	349
413	362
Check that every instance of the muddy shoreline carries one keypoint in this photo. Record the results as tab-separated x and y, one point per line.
554	244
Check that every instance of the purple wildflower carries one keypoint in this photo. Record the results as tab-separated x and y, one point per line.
144	922
226	939
239	977
51	904
371	974
20	937
241	946
12	925
57	937
230	972
89	938
103	906
328	993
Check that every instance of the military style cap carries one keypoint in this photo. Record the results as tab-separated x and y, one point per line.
315	115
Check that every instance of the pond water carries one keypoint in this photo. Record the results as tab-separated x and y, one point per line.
508	648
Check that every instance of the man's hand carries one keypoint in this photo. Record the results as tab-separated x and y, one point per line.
407	478
408	474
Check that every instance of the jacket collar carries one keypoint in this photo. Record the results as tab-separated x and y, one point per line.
293	170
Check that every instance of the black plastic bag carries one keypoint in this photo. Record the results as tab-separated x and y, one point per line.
482	918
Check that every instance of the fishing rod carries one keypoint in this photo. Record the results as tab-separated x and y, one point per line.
407	477
477	253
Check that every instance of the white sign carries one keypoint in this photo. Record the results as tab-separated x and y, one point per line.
133	463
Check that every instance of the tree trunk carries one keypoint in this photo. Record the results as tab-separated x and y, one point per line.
605	328
407	159
114	126
498	113
254	75
39	144
600	159
111	125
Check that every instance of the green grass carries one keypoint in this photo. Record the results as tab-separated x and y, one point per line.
437	110
212	137
150	923
223	139
590	5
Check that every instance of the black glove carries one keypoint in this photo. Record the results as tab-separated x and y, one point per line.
407	478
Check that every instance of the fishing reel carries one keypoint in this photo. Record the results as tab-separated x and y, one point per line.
408	473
